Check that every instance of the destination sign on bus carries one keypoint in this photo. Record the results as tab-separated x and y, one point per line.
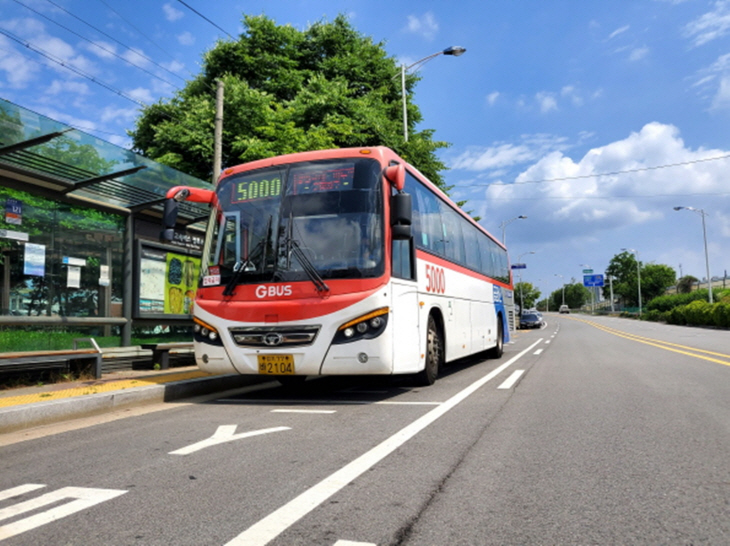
321	180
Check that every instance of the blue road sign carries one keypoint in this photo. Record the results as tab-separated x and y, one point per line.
592	280
519	266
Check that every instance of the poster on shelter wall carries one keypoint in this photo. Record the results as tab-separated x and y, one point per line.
34	262
73	279
181	283
13	211
152	281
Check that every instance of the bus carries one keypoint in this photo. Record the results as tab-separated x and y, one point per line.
342	262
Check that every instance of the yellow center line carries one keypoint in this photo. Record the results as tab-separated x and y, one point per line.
666	345
109	386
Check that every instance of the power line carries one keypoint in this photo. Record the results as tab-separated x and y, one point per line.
598	175
70	67
145	57
196	12
114	53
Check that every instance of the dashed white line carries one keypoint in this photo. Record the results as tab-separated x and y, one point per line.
538	352
512	379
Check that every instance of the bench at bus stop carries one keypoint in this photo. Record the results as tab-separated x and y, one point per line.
57	359
161	351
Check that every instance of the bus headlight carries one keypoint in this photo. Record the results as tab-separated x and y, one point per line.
205	333
367	326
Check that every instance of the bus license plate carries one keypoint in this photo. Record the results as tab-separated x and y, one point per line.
276	364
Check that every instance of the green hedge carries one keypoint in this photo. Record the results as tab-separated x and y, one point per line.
691	309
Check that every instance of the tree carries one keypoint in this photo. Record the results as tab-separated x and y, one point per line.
685	284
526	294
625	270
288	91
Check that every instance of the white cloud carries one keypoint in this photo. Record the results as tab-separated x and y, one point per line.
142	95
103	50
172	14
710	26
19	71
74	87
186	38
492	98
503	155
547	101
426	26
618	31
594	194
638	53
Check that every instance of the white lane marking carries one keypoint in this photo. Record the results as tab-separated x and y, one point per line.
302	411
538	352
20	490
351	543
511	380
82	498
547	342
224	433
326	402
281	519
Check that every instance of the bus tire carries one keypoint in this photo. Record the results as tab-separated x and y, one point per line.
498	350
434	355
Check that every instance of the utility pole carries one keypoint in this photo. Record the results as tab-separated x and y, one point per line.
218	135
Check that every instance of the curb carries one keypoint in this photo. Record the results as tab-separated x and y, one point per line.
15	418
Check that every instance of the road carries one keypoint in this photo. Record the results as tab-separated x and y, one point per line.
587	431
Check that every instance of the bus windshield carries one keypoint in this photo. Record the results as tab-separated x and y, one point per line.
301	221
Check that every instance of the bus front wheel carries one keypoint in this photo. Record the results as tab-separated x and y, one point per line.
434	355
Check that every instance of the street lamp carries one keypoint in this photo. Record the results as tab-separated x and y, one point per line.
503	225
638	271
562	281
522	301
453	50
702	213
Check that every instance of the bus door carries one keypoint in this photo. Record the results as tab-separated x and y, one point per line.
405	308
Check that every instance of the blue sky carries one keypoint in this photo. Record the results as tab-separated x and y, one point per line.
593	119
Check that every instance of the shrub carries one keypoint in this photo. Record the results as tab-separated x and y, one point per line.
721	314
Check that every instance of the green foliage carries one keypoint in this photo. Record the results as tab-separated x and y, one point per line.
576	295
685	284
288	91
625	270
526	293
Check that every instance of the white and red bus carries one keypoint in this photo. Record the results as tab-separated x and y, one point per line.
342	262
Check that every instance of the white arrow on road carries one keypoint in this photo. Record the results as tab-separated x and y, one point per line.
225	433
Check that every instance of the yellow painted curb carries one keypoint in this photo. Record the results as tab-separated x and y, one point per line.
97	389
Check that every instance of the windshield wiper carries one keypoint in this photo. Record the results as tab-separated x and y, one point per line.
292	247
240	266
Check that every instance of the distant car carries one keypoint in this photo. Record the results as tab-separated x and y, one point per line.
530	320
564	309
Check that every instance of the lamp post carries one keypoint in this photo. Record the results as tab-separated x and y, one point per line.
638	272
453	50
522	301
702	213
503	225
562	281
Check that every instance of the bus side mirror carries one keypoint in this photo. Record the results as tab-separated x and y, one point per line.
401	214
396	175
169	218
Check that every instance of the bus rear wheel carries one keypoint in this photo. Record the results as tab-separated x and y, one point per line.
498	350
434	355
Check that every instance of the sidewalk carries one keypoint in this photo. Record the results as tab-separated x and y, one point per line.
28	407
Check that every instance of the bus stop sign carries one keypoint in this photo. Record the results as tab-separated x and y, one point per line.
592	280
